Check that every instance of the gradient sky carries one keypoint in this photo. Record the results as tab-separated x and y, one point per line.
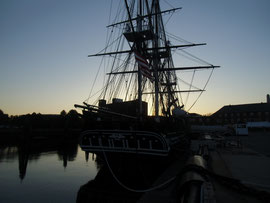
44	46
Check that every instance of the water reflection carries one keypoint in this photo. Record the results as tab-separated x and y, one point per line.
134	172
23	154
56	170
28	150
105	189
43	170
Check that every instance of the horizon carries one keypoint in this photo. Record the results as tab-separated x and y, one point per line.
67	111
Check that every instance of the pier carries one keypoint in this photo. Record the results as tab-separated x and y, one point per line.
236	170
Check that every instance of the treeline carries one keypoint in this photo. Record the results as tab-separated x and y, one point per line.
72	119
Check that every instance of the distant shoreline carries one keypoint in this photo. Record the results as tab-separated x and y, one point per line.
15	133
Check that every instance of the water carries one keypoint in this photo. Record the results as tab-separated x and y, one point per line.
57	170
43	171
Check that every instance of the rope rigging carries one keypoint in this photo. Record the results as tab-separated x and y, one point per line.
125	86
190	86
202	91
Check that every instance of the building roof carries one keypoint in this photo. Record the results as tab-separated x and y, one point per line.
241	108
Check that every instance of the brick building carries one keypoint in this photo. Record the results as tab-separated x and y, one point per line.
243	113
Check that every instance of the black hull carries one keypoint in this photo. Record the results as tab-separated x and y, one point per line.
124	177
105	188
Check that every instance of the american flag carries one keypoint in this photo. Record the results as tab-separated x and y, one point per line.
143	66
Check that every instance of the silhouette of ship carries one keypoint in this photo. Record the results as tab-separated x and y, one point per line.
141	73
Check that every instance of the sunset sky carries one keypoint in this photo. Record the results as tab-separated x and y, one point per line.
44	46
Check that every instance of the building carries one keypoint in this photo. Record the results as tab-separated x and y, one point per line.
243	113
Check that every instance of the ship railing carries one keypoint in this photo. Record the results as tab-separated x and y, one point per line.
120	141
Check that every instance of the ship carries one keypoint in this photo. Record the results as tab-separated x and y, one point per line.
139	110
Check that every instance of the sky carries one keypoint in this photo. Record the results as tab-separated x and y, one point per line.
44	45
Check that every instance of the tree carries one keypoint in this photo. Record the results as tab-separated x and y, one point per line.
73	119
73	113
63	113
3	117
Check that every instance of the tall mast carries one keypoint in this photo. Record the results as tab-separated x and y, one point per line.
155	62
145	34
139	27
138	45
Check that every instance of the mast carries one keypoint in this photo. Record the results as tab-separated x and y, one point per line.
138	44
155	62
153	71
139	27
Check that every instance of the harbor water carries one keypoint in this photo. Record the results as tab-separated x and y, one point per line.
43	171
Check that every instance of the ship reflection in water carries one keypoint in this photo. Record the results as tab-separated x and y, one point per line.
134	173
43	170
104	188
49	170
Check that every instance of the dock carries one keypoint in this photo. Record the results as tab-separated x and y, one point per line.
237	170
